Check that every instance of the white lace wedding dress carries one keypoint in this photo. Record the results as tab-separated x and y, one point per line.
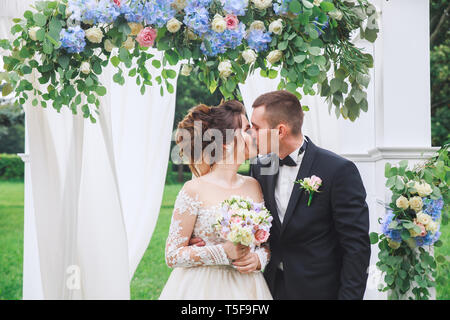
206	272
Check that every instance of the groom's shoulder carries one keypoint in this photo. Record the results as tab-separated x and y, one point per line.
333	159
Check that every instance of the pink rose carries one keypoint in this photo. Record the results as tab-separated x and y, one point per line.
423	231
315	182
146	37
236	220
117	2
232	21
261	236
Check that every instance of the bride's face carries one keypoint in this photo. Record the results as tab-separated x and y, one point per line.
246	147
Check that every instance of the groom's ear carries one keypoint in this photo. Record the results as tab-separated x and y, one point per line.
283	130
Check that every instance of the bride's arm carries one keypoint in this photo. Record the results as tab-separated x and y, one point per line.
178	251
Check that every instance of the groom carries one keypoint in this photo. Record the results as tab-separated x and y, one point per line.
321	250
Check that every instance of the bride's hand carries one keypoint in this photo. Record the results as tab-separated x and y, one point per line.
235	251
248	263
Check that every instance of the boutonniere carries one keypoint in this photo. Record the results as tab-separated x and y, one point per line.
311	185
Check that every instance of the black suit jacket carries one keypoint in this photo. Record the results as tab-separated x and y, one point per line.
325	247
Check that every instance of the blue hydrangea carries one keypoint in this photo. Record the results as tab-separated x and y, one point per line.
258	40
281	7
133	11
236	7
92	11
433	207
395	235
220	42
73	39
197	16
158	12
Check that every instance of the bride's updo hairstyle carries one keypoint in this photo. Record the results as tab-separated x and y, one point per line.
197	122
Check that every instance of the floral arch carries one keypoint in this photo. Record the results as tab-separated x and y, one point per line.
69	42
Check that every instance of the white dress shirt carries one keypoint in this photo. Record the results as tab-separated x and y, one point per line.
285	184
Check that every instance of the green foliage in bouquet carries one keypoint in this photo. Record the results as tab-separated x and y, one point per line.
419	205
221	42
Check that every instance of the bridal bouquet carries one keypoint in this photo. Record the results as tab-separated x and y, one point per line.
243	221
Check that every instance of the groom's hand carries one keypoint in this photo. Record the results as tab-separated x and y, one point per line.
248	263
196	241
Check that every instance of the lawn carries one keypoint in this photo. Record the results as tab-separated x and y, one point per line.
151	273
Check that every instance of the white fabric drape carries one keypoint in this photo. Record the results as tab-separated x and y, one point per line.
96	188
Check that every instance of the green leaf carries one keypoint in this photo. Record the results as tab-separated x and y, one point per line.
327	6
291	87
307	4
115	61
64	61
315	51
171	74
156	64
40	19
405	234
300	58
295	6
101	91
373	237
313	70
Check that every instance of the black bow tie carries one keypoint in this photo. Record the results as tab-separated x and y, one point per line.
288	161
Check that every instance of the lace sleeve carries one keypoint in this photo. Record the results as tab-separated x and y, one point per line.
263	252
178	251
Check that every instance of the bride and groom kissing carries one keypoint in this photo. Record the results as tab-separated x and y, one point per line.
319	244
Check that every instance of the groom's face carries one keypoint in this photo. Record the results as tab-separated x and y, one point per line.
266	137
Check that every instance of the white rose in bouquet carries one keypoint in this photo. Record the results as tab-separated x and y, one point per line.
218	24
225	69
94	35
32	33
249	56
173	25
85	67
274	56
262	4
276	26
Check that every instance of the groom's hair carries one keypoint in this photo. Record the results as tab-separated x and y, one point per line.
281	107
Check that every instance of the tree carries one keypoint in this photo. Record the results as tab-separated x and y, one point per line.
12	130
440	61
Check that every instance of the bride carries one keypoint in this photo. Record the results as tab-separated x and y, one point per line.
219	269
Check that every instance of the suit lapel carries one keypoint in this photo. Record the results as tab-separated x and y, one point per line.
303	172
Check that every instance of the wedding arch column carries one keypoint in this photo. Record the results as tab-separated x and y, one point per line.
397	125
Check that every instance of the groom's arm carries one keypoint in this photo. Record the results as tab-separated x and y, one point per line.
351	217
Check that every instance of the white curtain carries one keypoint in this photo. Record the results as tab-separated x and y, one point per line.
96	189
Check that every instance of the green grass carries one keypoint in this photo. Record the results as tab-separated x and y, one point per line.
152	272
11	239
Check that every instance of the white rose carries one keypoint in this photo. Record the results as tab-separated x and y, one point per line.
276	26
402	203
109	46
249	56
274	56
135	28
257	25
423	218
186	70
262	4
317	2
32	33
432	227
336	14
225	69
173	25
94	35
423	189
219	24
85	67
129	44
416	203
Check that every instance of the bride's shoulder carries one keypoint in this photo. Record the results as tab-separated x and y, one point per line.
252	185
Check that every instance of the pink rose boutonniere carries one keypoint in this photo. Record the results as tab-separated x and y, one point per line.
311	185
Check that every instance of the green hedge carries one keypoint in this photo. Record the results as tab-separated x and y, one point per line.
11	167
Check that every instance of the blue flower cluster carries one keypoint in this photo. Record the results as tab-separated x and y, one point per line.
236	7
390	233
72	39
428	239
220	42
92	11
433	207
197	16
258	40
281	6
133	11
158	12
